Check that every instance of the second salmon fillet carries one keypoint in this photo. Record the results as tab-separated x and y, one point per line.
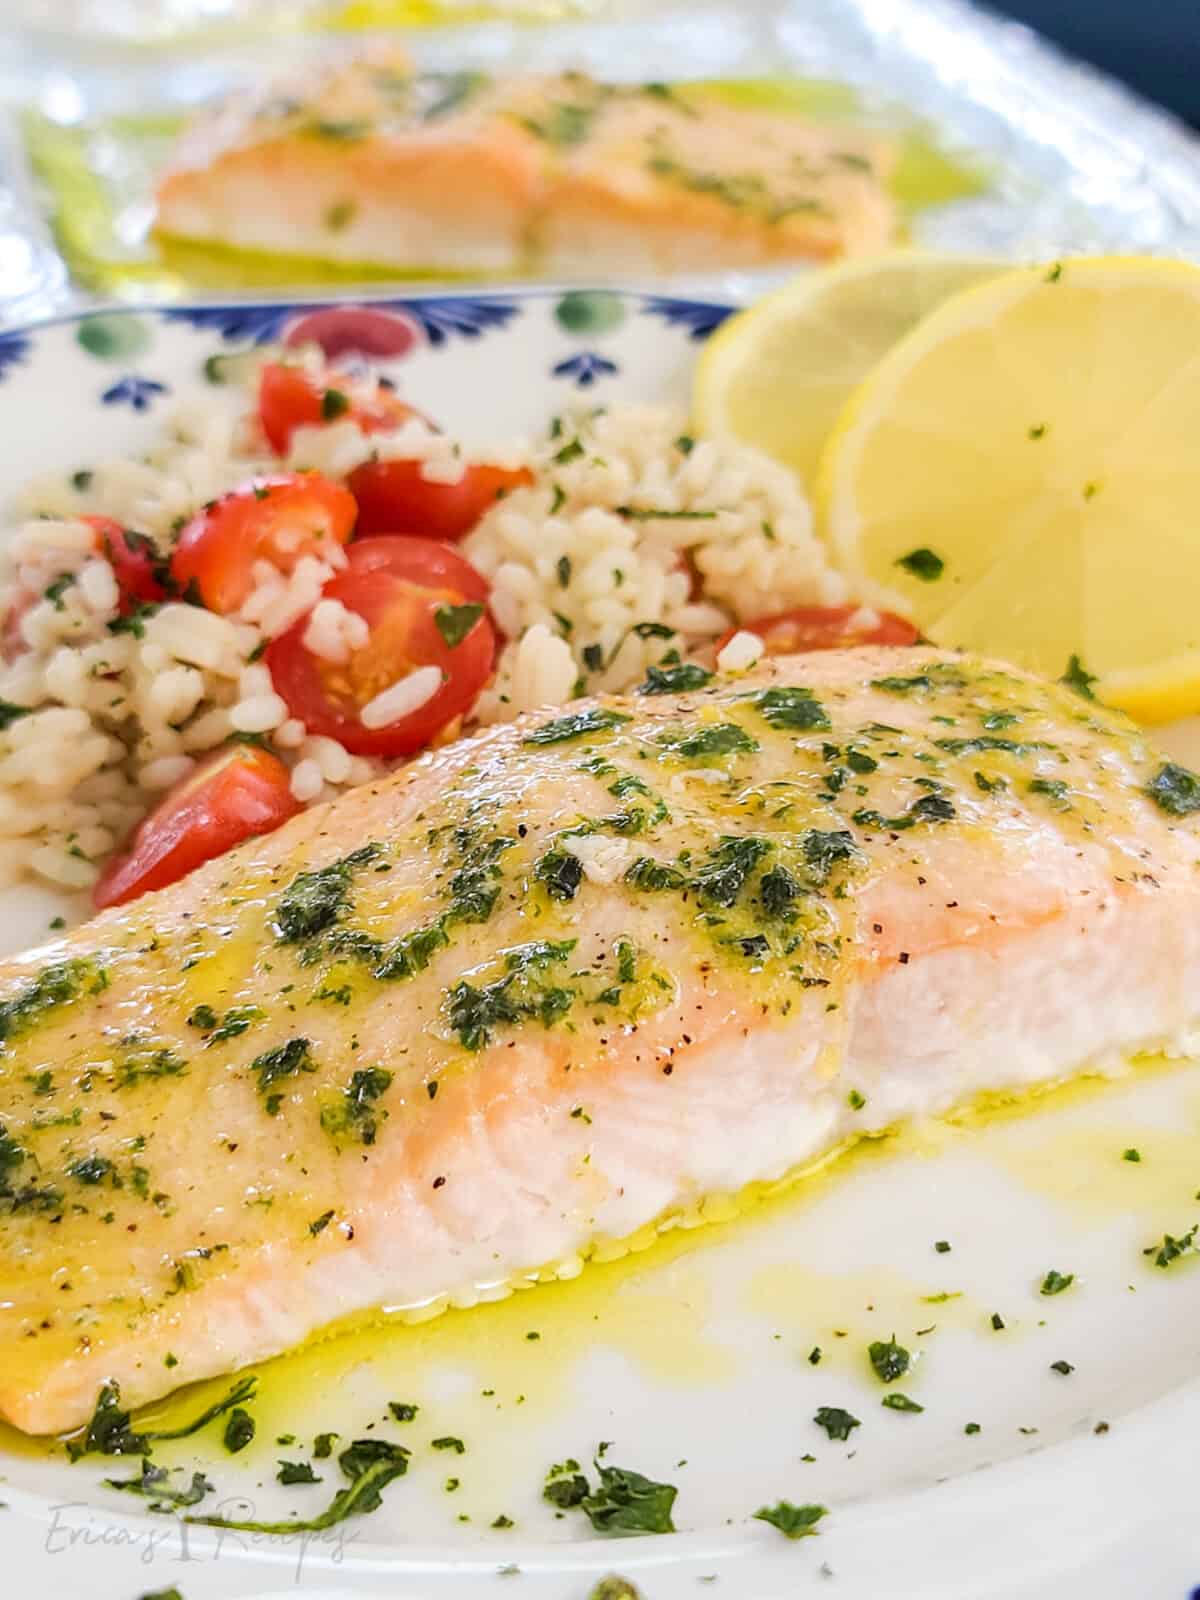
559	982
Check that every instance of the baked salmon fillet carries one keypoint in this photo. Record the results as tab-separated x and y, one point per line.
557	983
376	166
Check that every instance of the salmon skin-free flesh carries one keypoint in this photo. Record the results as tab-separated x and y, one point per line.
560	981
370	164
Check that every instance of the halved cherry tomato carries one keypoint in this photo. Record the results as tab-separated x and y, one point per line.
135	563
239	792
393	497
366	330
398	586
275	519
825	628
288	398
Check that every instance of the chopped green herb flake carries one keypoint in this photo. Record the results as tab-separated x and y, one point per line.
716	739
1055	1282
355	1112
900	1402
334	404
625	1503
898	685
403	1410
1077	677
889	1359
108	1432
369	1465
723	875
1175	790
283	1062
154	1484
824	850
923	563
314	901
1171	1248
454	623
794	1522
296	1472
596	719
791	707
560	873
838	1424
239	1430
565	1486
674	679
929	808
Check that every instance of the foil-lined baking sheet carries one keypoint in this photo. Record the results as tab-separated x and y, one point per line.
1006	146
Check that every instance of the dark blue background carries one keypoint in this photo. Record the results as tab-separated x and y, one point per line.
1153	44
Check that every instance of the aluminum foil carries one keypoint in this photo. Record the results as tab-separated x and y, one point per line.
1073	162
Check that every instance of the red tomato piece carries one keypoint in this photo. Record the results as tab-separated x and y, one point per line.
367	330
237	793
275	519
134	560
288	398
824	628
393	497
399	586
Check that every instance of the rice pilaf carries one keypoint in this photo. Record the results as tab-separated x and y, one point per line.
634	543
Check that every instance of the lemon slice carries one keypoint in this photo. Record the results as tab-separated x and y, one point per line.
777	375
1023	471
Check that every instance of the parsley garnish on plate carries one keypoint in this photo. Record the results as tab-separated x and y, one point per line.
838	1424
109	1433
369	1465
1171	1248
889	1359
239	1430
1055	1282
900	1402
794	1522
154	1484
623	1502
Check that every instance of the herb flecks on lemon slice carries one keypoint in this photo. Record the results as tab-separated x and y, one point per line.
1039	434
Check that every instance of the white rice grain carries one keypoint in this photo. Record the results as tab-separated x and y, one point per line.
259	714
334	631
402	698
741	653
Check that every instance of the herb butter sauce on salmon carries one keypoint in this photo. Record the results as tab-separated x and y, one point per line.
560	981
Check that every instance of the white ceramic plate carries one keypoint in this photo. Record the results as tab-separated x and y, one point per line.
695	1358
